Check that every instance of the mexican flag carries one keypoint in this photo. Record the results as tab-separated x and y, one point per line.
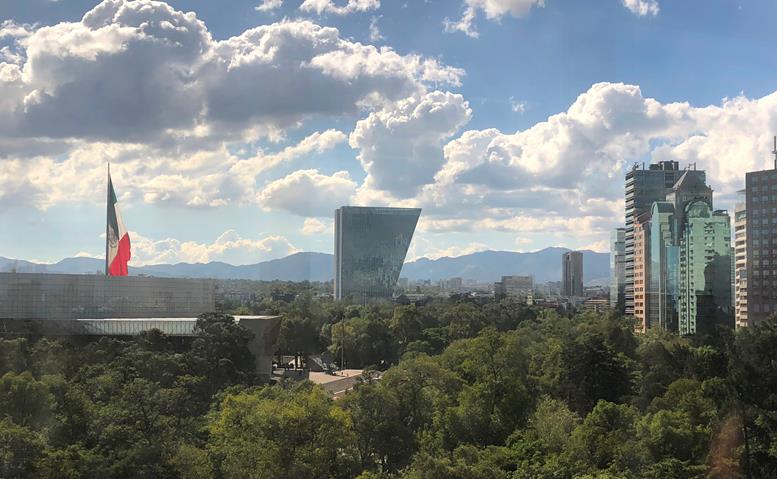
117	248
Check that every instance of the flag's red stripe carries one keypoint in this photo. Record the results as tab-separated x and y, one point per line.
118	266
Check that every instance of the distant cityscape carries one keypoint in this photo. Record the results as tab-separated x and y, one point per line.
673	266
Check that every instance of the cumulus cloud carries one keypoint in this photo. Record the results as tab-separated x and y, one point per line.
165	177
138	70
314	226
493	9
565	175
642	8
229	247
400	147
308	193
268	5
330	6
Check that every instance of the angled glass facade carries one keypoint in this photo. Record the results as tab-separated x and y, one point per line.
370	248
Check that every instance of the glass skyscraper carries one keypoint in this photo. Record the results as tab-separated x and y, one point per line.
572	272
370	248
643	188
662	291
688	260
617	268
705	268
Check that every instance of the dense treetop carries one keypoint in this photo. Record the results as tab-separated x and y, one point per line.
471	389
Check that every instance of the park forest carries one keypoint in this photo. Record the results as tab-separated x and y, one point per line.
470	390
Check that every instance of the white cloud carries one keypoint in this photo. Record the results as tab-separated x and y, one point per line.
422	247
229	247
401	147
375	35
564	176
642	8
314	226
517	106
141	70
330	6
308	193
200	179
493	9
496	9
269	5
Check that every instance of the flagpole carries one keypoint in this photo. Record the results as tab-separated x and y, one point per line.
107	206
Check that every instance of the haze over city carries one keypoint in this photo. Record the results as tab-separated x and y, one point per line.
233	134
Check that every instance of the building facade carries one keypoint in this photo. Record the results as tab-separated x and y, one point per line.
705	269
740	260
618	268
662	291
643	188
683	273
514	286
370	248
641	271
74	296
761	245
572	274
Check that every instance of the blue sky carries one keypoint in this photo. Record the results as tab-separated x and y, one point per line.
511	132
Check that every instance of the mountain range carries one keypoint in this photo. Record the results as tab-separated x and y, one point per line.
484	266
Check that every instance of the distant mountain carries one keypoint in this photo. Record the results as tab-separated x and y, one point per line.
485	266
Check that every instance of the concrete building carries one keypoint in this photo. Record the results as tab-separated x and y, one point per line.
370	248
572	274
618	269
641	271
760	272
72	296
514	286
643	188
740	260
98	305
705	269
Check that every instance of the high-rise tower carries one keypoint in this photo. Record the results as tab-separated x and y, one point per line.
370	248
643	188
572	272
617	268
760	272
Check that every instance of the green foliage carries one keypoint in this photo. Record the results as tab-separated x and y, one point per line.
471	389
282	433
19	449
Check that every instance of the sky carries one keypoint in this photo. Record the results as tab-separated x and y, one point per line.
234	129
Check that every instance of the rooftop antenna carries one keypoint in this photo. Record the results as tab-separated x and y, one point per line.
774	152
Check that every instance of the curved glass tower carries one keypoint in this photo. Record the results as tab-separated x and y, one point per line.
370	248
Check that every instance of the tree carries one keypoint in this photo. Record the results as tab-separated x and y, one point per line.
25	400
279	433
607	438
19	449
220	352
383	437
